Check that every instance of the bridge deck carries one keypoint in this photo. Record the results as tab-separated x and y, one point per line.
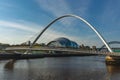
68	50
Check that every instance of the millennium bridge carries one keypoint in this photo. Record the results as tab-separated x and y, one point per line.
50	50
109	55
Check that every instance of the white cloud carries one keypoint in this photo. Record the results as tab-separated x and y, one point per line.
57	8
83	7
48	36
19	37
26	27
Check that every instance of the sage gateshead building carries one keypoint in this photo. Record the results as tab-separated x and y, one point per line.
63	43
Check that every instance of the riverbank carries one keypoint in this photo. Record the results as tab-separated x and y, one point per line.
41	55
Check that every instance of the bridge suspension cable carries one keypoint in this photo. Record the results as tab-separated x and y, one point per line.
78	17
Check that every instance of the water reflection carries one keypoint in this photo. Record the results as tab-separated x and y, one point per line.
10	64
64	68
113	72
113	69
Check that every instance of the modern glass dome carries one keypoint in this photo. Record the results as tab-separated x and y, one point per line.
63	42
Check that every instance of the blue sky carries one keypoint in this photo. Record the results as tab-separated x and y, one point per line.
20	20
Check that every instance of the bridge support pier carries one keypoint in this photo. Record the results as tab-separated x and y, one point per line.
112	60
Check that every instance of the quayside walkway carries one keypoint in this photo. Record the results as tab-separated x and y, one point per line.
67	50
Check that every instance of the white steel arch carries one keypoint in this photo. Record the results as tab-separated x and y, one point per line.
78	17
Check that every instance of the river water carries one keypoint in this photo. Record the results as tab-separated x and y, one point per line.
59	68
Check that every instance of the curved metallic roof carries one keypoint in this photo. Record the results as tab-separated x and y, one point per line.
64	42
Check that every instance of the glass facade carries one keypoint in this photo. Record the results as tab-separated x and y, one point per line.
63	42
